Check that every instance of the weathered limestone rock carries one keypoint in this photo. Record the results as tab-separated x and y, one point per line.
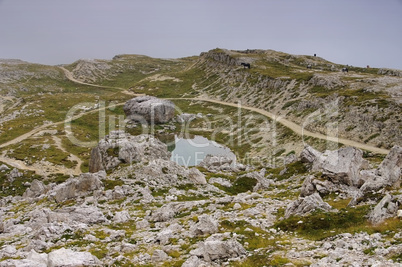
262	182
119	147
65	190
387	174
196	176
194	261
68	258
149	109
36	189
309	155
81	186
386	208
303	206
83	214
90	181
186	117
340	166
163	214
13	175
289	159
399	214
33	259
4	167
143	224
307	187
216	249
327	81
390	167
121	217
159	256
216	163
205	225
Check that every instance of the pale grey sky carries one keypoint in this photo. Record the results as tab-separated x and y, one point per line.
358	32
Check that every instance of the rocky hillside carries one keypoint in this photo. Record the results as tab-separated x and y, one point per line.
319	209
364	104
87	179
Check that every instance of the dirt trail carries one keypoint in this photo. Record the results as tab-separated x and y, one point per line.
297	128
72	157
70	76
289	124
39	168
41	128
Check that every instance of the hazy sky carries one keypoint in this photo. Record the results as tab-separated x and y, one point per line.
358	32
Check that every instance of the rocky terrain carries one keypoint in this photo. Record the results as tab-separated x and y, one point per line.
87	178
149	210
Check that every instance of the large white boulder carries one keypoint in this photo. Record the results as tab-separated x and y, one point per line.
149	109
69	258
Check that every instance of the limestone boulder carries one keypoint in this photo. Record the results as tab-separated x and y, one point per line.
390	167
305	205
119	147
212	250
75	187
387	174
159	256
36	189
149	109
341	166
206	225
386	208
217	163
69	258
196	176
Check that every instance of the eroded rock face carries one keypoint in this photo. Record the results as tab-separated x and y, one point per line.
37	188
196	176
340	166
149	109
391	167
119	147
206	225
387	174
67	257
305	205
216	163
386	208
214	249
74	187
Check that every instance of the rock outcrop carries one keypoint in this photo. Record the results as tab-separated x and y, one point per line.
66	257
214	249
340	166
205	225
149	109
386	208
119	147
196	176
75	187
217	163
305	205
387	174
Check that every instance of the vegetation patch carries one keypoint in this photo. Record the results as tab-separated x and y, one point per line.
320	225
240	185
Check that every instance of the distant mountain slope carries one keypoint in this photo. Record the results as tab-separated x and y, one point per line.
362	104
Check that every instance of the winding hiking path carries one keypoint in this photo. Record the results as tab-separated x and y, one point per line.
295	127
287	123
70	76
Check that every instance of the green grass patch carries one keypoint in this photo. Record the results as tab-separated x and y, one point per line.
320	225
